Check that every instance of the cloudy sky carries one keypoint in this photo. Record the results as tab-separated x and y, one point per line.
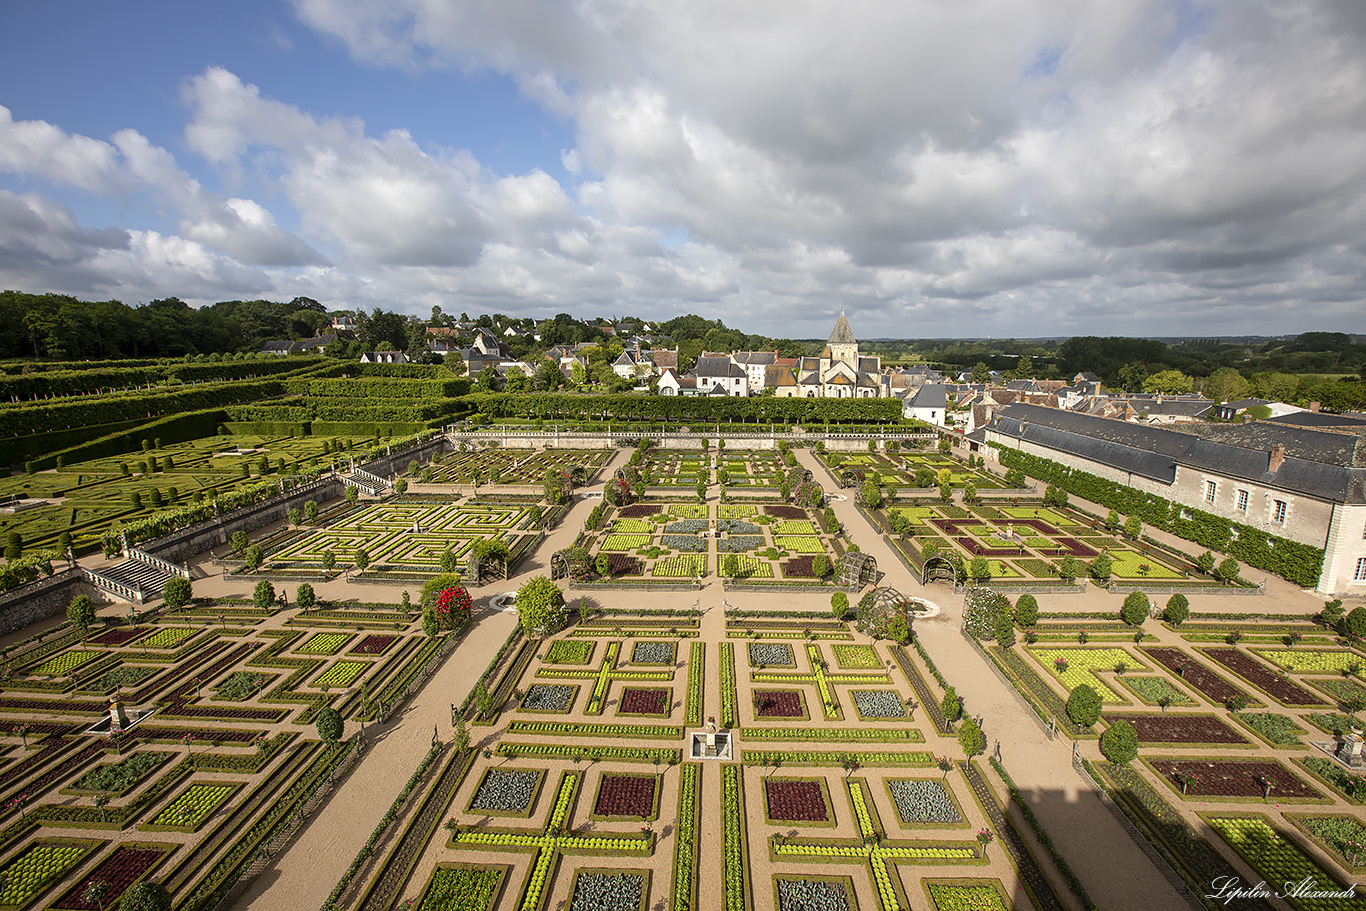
970	168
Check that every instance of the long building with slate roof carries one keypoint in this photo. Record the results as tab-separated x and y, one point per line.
1300	483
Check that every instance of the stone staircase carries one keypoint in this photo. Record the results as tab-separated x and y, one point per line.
137	579
371	484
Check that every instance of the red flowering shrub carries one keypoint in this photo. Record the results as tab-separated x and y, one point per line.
453	607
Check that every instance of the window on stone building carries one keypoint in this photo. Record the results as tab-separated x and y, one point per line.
1278	512
1361	570
1242	501
1211	488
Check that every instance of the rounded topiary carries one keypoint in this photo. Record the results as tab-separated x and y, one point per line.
453	607
1119	743
263	595
1005	630
839	605
971	738
145	896
177	591
541	605
1177	610
1083	705
1135	609
1027	610
329	725
1356	622
305	597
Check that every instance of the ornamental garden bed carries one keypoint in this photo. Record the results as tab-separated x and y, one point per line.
814	893
623	795
1279	731
771	654
553	698
373	644
476	887
192	807
1277	858
861	657
570	651
1342	836
1277	686
966	894
38	866
609	889
1152	690
1183	728
128	863
652	652
650	701
780	704
1195	674
878	705
797	800
1234	779
924	803
507	792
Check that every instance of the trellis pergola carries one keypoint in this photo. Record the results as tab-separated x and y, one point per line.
856	570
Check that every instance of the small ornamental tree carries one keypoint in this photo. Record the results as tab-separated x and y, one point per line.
870	494
305	597
1355	624
1206	562
951	706
329	725
362	558
453	607
1133	527
1112	520
971	738
1027	610
1177	610
980	570
1083	705
945	492
329	561
177	592
820	566
239	541
449	562
255	556
352	495
430	624
1119	743
81	613
1101	567
1135	609
1228	571
263	596
145	895
311	512
295	516
839	605
1068	569
541	606
400	487
603	564
1005	631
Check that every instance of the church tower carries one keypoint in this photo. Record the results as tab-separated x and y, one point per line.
842	346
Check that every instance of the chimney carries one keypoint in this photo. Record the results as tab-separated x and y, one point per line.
1277	457
1313	407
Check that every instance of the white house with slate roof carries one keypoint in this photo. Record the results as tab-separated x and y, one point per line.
1301	483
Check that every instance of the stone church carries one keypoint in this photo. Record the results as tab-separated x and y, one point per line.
839	373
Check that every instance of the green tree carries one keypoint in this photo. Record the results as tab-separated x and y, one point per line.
1101	567
540	605
951	705
1228	571
1068	569
839	605
430	624
1206	562
145	895
1027	610
1005	630
401	486
945	492
330	725
448	561
263	596
1177	610
177	592
1119	743
329	560
980	569
1133	527
1135	609
1225	385
1083	705
305	597
1168	382
1355	624
971	738
352	495
311	512
255	556
81	613
871	494
1112	520
981	373
239	541
361	559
